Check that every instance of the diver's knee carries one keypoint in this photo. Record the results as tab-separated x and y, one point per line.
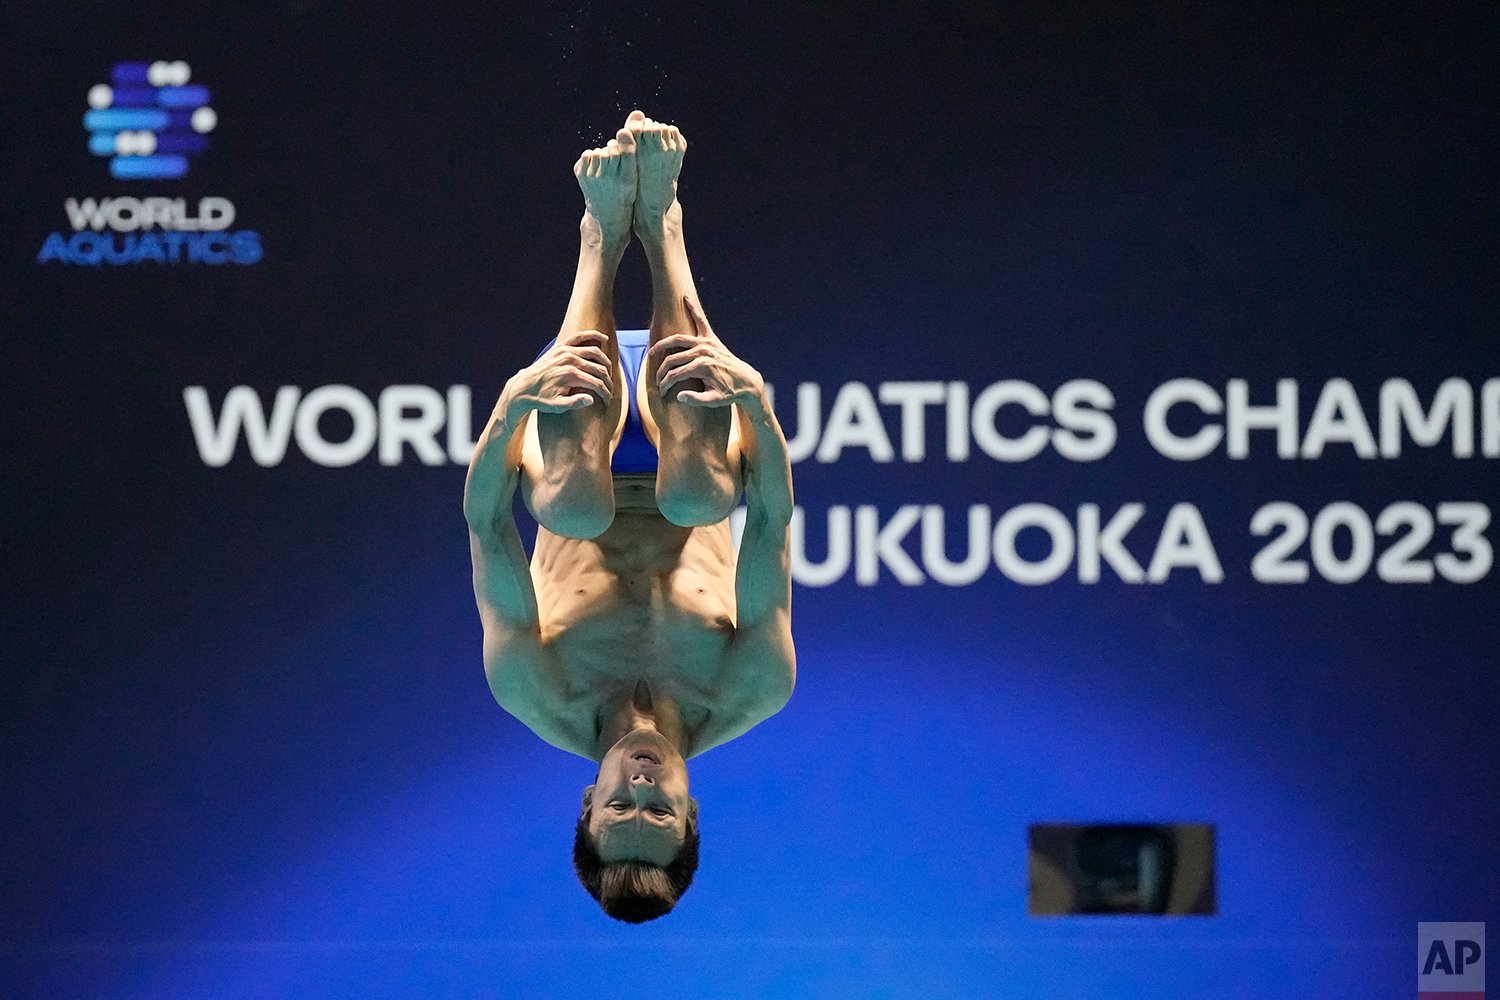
692	508
575	517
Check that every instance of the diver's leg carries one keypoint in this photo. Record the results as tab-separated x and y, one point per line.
567	482
698	475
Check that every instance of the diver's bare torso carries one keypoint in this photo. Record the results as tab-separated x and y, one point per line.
647	600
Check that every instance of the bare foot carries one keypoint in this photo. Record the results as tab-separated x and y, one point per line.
607	176
659	161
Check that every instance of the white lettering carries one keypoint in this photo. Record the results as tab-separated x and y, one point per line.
336	454
876	549
934	552
855	422
86	213
1059	532
1490	413
461	441
958	422
216	439
399	427
1086	432
1161	401
1241	418
836	564
1452	405
913	398
876	545
1109	543
1338	417
411	415
215	213
159	212
1184	542
988	436
809	422
124	215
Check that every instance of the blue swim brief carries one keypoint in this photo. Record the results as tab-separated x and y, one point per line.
635	452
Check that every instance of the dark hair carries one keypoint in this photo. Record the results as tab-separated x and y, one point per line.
633	891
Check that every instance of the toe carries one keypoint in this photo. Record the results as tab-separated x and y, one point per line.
626	140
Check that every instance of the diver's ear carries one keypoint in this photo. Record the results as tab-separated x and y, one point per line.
588	799
692	812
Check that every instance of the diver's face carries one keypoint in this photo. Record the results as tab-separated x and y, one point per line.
640	803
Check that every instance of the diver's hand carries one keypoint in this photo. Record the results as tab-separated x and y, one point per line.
723	377
572	374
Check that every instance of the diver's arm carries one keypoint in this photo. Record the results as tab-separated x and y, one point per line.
760	666
761	662
522	669
571	375
502	576
516	662
763	581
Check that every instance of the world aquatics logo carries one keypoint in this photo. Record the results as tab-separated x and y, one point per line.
150	120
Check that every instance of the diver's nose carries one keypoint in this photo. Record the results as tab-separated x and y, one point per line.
642	779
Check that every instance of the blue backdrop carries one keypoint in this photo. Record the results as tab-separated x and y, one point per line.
249	748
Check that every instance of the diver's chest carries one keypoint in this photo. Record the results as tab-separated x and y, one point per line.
643	631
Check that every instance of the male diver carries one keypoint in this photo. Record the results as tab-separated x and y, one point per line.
634	637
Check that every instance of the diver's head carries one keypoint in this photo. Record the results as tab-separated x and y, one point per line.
636	844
